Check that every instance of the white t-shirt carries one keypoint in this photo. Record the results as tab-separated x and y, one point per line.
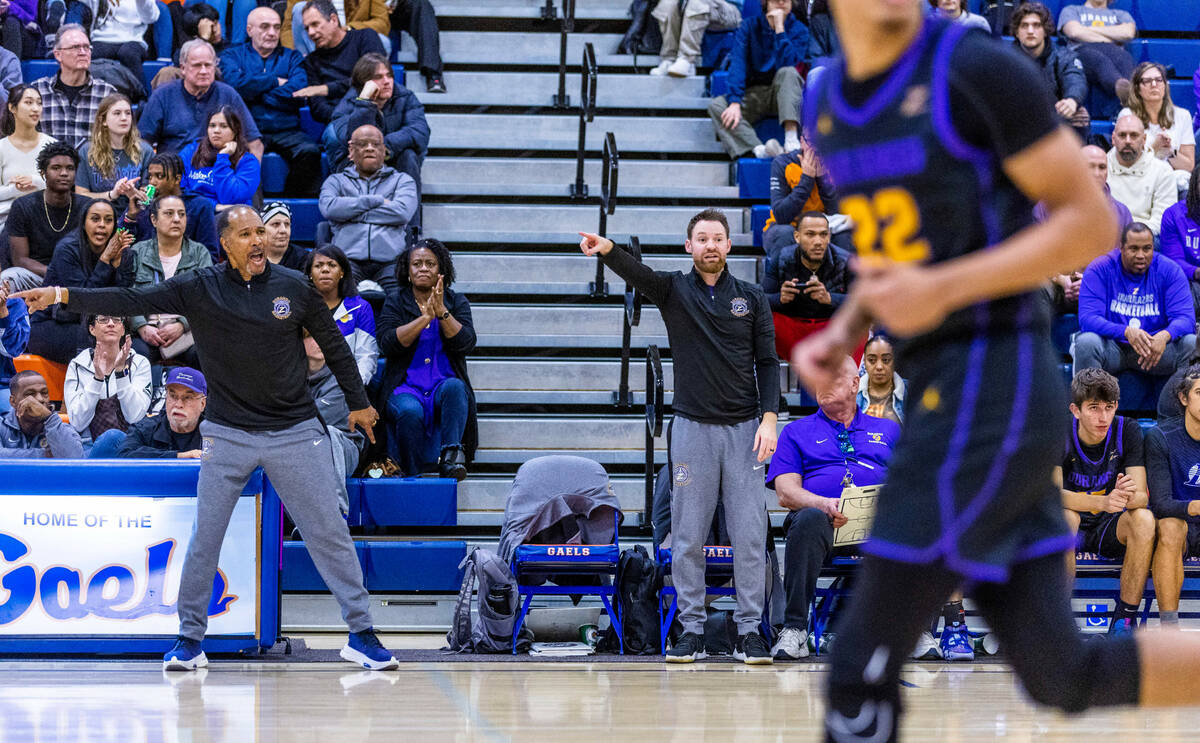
1180	133
14	162
170	264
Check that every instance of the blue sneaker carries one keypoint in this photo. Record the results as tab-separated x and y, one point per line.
956	643
1121	627
364	649
186	655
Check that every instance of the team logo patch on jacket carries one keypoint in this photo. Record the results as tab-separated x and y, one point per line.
739	307
681	474
281	308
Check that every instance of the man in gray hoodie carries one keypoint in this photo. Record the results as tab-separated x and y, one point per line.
369	206
31	430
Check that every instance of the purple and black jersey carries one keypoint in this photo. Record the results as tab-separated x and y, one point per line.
1094	469
916	154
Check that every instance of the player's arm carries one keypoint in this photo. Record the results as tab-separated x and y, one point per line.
1075	501
1141	493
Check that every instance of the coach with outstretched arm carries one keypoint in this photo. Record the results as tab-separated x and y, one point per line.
247	318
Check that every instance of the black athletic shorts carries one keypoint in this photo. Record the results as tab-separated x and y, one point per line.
1099	537
970	481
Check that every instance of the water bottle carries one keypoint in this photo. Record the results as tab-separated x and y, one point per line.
498	598
986	644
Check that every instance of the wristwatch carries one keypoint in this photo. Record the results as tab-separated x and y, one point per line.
445	314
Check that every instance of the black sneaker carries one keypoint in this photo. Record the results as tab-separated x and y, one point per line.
689	648
753	650
434	84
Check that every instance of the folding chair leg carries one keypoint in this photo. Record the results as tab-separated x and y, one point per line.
616	622
521	620
666	623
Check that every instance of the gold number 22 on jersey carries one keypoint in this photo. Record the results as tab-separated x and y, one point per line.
886	225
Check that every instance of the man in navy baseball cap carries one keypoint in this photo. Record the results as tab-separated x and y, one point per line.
175	433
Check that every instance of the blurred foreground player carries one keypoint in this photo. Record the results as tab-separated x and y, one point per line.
938	166
247	317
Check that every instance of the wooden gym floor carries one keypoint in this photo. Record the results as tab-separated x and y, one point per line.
134	702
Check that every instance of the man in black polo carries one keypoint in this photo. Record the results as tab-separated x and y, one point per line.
726	376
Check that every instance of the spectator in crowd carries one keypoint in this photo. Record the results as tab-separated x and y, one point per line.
10	75
118	30
332	60
107	386
1168	401
265	74
331	401
1172	451
763	80
1180	236
30	430
14	336
682	24
94	255
166	255
369	206
202	21
1103	480
1032	26
881	390
956	10
1136	177
375	98
329	270
1168	127
71	98
1098	33
20	33
1065	287
20	147
418	19
164	171
823	44
371	15
174	434
178	112
219	165
37	221
113	160
1196	92
806	284
277	219
818	457
425	333
1135	310
799	184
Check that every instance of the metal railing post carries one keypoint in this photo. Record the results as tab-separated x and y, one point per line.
561	99
608	203
587	112
654	423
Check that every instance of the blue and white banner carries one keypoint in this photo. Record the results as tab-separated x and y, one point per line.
110	565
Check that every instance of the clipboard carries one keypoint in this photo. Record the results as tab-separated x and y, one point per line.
857	504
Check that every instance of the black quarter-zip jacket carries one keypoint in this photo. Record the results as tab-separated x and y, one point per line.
722	341
248	335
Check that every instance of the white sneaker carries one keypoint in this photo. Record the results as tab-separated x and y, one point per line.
662	68
773	148
682	68
792	644
791	142
927	647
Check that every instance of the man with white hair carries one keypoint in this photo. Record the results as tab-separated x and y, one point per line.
177	112
1137	178
71	97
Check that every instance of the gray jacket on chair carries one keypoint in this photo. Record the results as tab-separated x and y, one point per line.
369	216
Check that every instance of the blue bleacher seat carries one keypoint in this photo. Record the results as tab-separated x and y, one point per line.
1062	327
313	128
1139	391
715	48
300	574
758	219
1183	94
1103	127
718	573
1182	54
754	178
1164	15
718	83
150	68
32	69
414	566
411	501
305	216
769	129
274	174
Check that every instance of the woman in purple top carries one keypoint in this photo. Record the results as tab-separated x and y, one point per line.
425	333
328	268
1179	239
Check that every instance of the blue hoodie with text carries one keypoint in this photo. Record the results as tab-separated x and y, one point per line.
1111	298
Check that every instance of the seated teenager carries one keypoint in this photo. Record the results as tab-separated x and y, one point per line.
20	146
329	270
113	160
219	165
164	171
108	386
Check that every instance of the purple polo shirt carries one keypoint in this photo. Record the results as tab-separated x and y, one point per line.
809	447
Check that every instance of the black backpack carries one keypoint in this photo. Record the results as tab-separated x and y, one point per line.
643	36
638	583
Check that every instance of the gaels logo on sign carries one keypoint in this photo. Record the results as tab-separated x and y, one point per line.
66	595
568	551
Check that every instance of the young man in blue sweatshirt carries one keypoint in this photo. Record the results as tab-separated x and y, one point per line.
763	80
1135	310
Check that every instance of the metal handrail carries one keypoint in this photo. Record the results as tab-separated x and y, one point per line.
561	99
587	112
654	421
608	204
633	316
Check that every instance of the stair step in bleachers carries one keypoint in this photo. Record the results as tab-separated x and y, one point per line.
512	47
590	10
561	326
561	132
554	177
538	89
559	225
482	499
387	566
531	273
555	381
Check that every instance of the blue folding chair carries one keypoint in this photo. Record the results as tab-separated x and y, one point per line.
555	560
718	568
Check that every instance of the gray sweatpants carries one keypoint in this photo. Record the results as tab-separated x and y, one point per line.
711	462
299	463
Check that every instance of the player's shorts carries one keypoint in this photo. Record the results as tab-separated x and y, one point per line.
970	482
1099	537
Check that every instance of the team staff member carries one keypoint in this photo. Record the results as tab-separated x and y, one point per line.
723	344
247	318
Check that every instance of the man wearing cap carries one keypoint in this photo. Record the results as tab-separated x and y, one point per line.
277	218
176	433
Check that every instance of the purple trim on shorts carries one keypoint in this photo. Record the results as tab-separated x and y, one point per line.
962	424
875	105
1047	546
901	552
940	550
